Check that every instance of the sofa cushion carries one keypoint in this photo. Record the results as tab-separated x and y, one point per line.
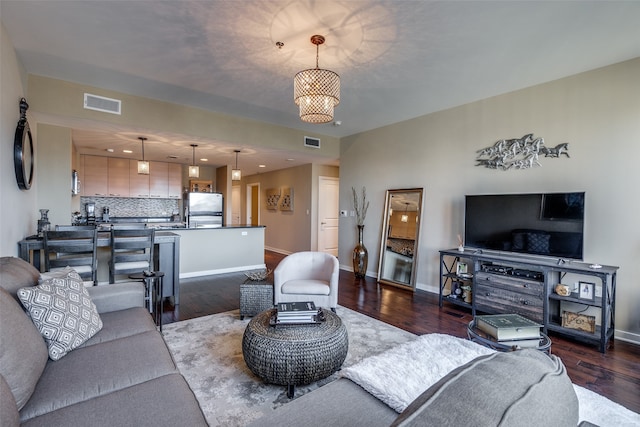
98	370
306	287
16	273
509	389
122	324
164	401
23	353
63	312
341	403
117	296
9	416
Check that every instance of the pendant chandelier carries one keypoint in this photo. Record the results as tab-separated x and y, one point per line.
236	174
143	166
194	170
316	91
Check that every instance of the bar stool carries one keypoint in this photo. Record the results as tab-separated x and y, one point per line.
153	294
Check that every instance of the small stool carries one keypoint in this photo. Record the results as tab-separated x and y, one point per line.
255	297
153	293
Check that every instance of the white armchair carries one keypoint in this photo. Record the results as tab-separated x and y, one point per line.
307	276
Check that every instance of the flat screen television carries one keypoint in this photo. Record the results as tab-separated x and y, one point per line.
545	224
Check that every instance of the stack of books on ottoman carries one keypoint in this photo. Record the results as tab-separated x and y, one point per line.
298	313
510	329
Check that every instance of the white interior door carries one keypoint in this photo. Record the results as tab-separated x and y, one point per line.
328	214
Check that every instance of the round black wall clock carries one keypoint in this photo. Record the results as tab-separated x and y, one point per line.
23	154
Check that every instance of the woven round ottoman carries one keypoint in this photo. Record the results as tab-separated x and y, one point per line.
293	355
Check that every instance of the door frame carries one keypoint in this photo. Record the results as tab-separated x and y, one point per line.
250	202
318	210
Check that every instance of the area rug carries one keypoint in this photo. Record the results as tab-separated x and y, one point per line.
208	352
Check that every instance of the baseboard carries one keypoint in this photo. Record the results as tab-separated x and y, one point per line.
629	337
280	251
222	270
373	274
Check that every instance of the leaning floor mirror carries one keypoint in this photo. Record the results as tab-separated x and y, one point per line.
399	239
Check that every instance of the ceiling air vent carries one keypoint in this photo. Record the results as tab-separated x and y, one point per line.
311	142
100	103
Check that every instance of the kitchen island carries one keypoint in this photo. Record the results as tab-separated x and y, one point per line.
181	253
167	258
206	251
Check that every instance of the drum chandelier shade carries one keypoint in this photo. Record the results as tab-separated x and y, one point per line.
236	174
316	91
194	170
143	166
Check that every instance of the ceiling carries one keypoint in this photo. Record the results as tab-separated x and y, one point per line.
397	59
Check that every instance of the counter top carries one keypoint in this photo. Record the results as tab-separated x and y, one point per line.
225	227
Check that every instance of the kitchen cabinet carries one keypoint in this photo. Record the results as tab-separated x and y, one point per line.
138	183
118	177
175	180
95	171
158	180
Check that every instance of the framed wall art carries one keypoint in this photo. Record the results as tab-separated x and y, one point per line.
273	197
287	199
587	291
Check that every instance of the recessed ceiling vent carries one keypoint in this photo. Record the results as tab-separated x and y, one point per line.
100	103
311	142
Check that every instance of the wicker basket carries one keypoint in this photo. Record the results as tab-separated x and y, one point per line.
255	297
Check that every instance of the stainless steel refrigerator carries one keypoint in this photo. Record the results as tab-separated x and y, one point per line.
204	210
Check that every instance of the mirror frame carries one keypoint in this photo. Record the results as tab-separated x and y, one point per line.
385	234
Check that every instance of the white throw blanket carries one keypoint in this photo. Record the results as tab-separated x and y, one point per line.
398	376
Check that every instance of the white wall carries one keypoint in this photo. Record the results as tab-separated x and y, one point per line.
18	212
597	113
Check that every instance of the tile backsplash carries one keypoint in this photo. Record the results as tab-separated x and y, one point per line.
132	207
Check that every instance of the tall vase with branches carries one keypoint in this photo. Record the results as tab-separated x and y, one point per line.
360	253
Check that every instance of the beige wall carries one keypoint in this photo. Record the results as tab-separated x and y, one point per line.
597	113
18	211
54	171
54	100
288	232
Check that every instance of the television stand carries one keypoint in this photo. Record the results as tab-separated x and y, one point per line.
504	283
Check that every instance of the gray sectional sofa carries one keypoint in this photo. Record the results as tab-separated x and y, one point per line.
517	389
123	375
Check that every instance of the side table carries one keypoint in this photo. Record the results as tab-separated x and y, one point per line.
153	293
255	297
476	335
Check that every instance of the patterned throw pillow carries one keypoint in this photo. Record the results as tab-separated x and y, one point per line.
63	312
538	243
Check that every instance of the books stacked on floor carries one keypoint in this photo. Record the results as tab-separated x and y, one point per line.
297	312
510	329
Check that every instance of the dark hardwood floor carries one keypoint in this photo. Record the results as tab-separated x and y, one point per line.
615	374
